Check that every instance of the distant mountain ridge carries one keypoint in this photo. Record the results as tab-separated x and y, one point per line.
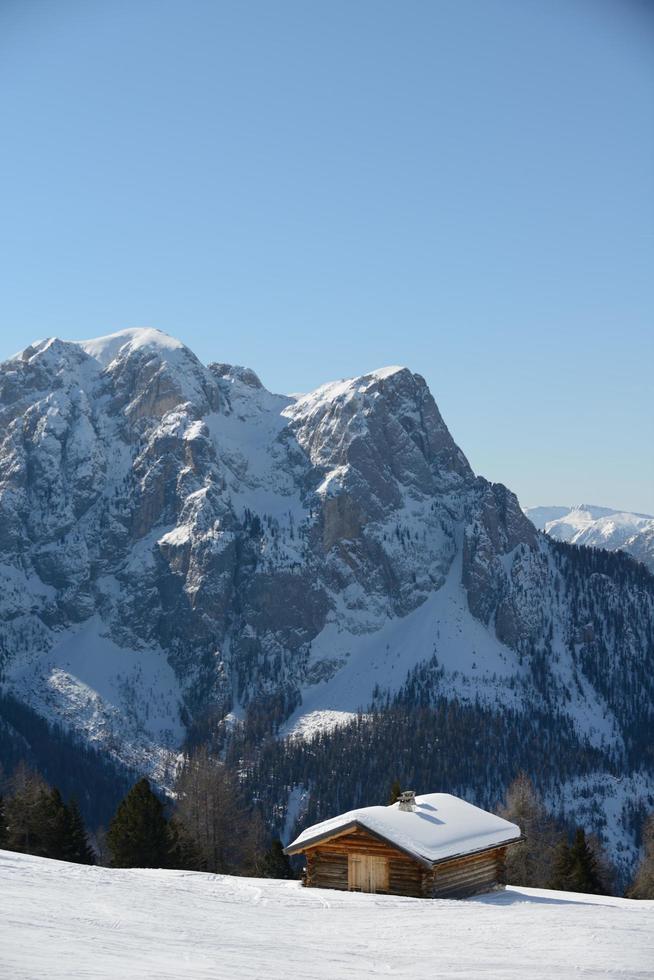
183	551
598	527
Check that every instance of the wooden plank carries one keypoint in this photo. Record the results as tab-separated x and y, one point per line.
493	853
405	878
467	876
465	884
327	866
367	872
465	869
328	871
451	880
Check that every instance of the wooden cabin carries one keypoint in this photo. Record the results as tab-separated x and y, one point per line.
432	846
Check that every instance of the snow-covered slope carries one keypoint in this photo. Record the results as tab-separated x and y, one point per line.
65	921
598	527
180	547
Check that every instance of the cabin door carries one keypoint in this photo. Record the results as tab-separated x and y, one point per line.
367	873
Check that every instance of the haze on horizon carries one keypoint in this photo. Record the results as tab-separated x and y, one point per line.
317	192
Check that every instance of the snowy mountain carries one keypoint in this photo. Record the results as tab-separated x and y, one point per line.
598	527
67	920
182	550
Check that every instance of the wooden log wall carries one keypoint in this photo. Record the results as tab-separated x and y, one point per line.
327	864
466	876
327	867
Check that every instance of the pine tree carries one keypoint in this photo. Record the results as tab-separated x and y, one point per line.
584	875
184	854
643	884
138	835
31	814
394	795
35	820
561	867
76	844
39	822
54	828
606	869
275	864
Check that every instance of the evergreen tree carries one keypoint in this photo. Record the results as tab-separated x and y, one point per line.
275	864
31	816
76	843
62	759
394	795
37	821
138	835
584	874
3	828
643	884
184	854
561	867
54	829
606	869
576	867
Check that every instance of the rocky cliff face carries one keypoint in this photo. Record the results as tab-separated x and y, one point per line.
177	543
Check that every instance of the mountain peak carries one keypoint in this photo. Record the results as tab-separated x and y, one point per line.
179	546
598	527
351	388
386	372
106	349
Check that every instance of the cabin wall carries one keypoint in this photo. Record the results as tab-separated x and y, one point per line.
327	867
470	875
327	864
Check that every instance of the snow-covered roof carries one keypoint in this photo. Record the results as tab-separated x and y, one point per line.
441	826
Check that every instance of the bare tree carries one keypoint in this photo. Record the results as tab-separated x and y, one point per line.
529	863
212	812
643	884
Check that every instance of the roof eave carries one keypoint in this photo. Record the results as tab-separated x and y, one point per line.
479	850
346	828
312	841
425	862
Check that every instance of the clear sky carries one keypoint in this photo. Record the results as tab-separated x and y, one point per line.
316	189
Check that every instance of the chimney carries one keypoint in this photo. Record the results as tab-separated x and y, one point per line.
407	800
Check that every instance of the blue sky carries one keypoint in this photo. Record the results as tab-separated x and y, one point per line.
316	189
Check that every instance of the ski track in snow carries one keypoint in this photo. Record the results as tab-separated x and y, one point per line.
67	922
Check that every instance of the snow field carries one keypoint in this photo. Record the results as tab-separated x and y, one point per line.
68	921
